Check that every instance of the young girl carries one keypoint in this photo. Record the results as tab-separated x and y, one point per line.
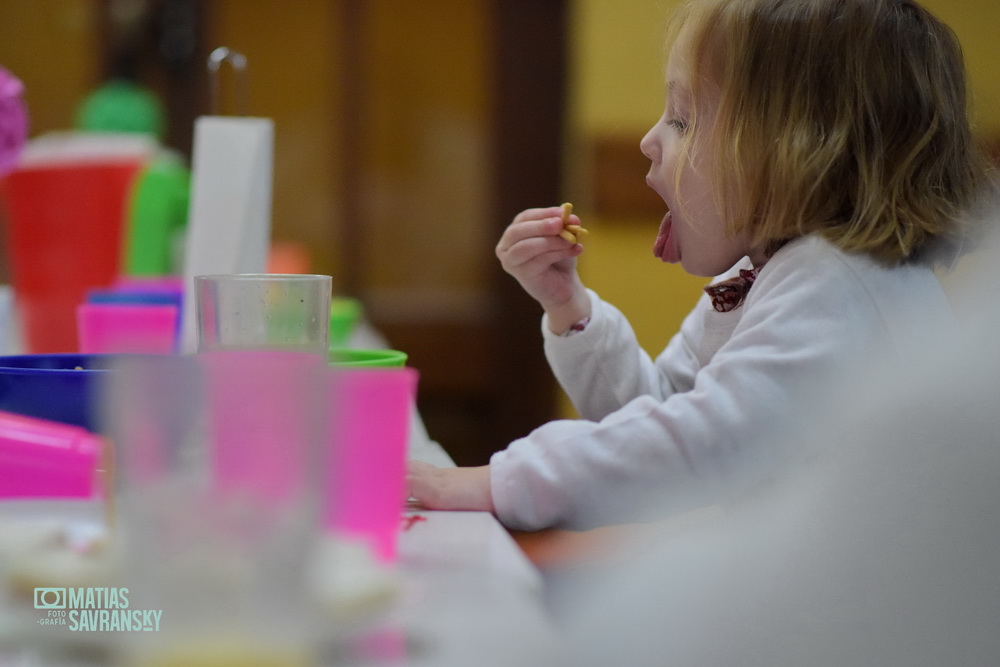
818	154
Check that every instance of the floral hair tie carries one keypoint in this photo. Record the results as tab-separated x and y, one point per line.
13	120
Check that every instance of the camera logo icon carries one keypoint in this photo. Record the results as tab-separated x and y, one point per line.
50	598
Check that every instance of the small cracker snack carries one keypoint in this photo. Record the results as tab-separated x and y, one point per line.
567	209
572	233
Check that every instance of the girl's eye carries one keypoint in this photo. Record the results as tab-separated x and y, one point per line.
678	125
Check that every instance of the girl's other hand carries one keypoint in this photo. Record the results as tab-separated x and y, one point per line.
544	263
450	488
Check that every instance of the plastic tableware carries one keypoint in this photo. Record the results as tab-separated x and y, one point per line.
169	284
157	214
215	471
60	387
139	296
249	311
66	207
40	458
344	315
121	106
350	357
369	438
137	328
265	423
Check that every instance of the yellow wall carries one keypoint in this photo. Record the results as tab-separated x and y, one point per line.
52	47
975	22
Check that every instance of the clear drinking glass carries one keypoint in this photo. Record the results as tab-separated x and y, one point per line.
220	471
249	311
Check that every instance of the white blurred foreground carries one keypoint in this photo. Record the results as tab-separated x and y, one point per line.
879	545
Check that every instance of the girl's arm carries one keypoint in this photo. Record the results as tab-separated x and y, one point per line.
603	367
450	488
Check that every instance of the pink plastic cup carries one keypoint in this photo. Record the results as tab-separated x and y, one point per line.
366	483
46	459
265	424
127	328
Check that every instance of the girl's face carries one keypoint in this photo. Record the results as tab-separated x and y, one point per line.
692	232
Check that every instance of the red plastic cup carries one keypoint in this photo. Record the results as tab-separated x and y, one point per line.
369	437
65	236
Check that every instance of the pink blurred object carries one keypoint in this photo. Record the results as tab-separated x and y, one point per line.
13	120
366	488
157	284
264	423
127	328
46	459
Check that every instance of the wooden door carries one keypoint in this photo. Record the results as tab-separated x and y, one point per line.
456	126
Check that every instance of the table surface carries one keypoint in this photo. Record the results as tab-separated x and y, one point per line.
466	594
470	595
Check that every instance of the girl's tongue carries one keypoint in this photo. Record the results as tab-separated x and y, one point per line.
664	248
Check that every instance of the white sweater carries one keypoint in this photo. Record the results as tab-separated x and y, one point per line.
668	433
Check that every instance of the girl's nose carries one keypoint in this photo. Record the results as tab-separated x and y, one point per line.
648	146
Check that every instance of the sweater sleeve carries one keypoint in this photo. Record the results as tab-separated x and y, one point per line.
602	368
797	328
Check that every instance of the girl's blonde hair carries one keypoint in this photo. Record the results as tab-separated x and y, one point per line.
847	118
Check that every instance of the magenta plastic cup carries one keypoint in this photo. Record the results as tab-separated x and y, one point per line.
264	423
127	328
369	437
46	459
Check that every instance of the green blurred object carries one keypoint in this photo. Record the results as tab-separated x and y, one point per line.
158	204
157	213
344	315
122	106
345	357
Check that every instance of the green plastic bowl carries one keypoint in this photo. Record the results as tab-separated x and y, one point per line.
344	315
347	357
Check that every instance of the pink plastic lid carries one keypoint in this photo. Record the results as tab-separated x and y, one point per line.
47	459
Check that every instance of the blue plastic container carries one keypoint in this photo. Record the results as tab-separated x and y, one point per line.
61	387
134	296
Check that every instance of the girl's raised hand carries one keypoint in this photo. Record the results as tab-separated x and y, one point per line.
544	263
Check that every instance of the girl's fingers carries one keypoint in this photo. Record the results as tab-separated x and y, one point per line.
532	269
538	214
520	231
540	263
544	248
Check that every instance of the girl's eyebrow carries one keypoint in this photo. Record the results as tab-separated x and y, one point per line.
678	91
